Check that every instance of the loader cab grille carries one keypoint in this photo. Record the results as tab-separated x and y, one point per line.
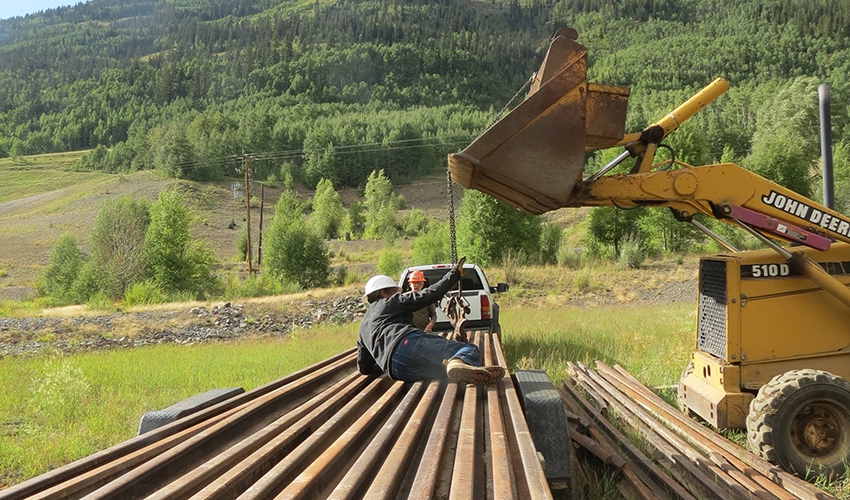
711	330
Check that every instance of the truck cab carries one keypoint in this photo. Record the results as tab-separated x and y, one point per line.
476	290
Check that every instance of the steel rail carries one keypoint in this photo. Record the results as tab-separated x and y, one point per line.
159	471
387	481
765	473
243	459
86	464
295	461
757	484
528	470
499	473
345	445
679	453
463	485
324	432
287	436
658	479
425	483
638	482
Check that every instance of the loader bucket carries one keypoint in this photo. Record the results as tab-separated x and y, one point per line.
533	157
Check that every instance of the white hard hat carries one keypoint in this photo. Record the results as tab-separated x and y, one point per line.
379	282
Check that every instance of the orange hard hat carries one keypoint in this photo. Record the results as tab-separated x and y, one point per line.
416	277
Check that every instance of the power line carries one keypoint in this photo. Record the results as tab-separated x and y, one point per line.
347	149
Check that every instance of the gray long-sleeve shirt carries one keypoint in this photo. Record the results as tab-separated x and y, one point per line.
389	320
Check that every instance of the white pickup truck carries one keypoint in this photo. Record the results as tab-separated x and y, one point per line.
483	309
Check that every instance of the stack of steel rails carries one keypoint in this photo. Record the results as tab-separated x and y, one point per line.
685	460
323	432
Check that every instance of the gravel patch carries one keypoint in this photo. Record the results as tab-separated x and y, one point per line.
224	322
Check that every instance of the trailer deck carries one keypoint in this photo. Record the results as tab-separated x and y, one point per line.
324	432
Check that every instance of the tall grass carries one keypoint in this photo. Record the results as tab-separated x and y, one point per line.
653	343
55	409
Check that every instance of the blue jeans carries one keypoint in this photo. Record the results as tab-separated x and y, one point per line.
420	356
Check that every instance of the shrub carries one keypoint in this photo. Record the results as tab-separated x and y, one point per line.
298	255
293	253
340	276
632	251
59	392
328	212
100	301
242	245
390	262
512	260
432	247
570	257
66	260
487	228
355	220
414	223
550	243
380	207
144	293
254	285
178	263
117	245
582	281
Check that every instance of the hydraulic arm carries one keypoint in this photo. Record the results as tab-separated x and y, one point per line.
772	349
534	157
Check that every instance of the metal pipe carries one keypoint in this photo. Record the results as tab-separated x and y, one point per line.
690	107
716	237
613	163
658	479
763	472
826	146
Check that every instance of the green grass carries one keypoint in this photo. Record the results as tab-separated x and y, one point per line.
56	409
51	161
652	342
15	184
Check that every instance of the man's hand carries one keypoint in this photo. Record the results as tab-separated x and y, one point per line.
459	266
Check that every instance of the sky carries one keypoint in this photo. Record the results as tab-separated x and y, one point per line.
12	8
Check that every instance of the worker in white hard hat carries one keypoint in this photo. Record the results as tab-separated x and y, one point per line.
390	343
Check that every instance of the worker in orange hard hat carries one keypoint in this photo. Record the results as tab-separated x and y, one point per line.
424	318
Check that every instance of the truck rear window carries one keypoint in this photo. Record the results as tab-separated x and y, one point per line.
469	282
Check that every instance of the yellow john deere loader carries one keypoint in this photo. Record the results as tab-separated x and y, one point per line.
772	350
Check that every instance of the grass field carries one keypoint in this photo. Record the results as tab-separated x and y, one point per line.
56	409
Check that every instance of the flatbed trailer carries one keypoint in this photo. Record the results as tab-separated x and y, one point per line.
324	432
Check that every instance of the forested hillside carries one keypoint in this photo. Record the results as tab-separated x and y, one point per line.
336	89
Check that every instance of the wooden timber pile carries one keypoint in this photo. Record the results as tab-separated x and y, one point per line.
689	460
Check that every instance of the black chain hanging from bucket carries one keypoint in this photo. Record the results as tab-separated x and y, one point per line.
452	234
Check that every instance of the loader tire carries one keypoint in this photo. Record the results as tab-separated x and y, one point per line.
680	392
800	420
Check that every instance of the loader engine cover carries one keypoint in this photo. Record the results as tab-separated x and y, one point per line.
547	134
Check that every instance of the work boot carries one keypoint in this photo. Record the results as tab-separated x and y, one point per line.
458	371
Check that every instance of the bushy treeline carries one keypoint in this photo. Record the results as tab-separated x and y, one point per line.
339	142
338	89
138	251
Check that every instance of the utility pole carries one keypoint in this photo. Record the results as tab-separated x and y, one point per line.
246	166
262	209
